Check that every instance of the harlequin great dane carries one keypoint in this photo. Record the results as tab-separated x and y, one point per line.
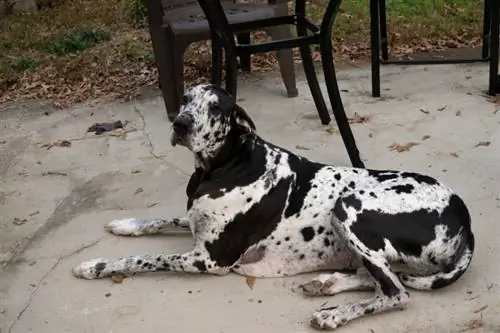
259	210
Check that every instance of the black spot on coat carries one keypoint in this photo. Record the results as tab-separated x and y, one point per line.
251	227
407	188
409	232
307	233
200	264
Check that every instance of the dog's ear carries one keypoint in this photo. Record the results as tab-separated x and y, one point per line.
242	120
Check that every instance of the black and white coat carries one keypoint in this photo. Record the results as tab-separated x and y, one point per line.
259	210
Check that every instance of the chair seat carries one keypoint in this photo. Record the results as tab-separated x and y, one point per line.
191	20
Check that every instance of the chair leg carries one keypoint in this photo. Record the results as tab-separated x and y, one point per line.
336	101
494	87
245	59
383	30
216	63
170	70
285	59
375	46
231	78
486	29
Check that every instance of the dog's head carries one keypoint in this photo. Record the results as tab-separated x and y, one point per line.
207	117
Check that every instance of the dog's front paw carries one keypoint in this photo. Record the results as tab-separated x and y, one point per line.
124	227
325	319
92	269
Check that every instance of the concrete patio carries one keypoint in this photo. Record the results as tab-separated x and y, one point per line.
54	204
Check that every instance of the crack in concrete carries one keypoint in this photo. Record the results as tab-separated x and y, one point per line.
146	134
150	142
38	284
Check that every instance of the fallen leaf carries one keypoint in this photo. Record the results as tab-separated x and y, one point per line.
34	213
357	119
99	128
424	110
302	147
250	281
483	144
454	154
474	324
139	190
56	143
152	204
330	129
442	108
3	142
425	137
54	173
458	113
18	221
118	278
119	133
481	309
107	295
135	171
402	147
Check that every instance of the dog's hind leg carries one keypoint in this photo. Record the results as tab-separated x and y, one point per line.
136	227
335	283
196	261
389	292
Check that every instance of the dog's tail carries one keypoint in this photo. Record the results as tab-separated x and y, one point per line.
446	277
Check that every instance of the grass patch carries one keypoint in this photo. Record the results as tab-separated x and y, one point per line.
74	41
67	53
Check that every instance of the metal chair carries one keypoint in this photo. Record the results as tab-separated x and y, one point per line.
175	24
309	34
380	52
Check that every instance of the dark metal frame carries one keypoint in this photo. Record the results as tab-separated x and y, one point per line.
380	53
307	34
494	86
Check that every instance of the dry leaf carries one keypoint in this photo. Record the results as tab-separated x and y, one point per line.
250	281
402	147
424	110
483	144
119	132
454	154
302	147
18	221
357	119
442	108
458	113
139	190
56	143
474	324
118	278
425	137
135	171
152	204
34	213
481	309
54	173
330	129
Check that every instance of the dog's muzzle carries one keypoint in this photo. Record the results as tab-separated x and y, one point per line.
180	129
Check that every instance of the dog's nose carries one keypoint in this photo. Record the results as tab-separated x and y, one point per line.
181	125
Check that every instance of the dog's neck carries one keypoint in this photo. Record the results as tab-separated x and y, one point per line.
235	146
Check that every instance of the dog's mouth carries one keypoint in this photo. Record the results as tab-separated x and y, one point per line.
176	139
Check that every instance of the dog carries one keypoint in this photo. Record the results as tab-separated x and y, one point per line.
259	210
